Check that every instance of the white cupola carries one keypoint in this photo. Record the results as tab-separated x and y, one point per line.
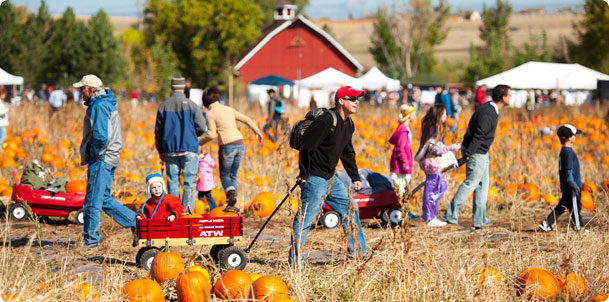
284	11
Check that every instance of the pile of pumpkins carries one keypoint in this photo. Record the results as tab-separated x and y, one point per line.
536	283
193	283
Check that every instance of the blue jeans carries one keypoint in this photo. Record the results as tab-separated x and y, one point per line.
99	182
211	203
186	164
312	192
3	135
272	123
476	181
229	157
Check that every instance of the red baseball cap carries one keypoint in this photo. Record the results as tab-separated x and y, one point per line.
347	91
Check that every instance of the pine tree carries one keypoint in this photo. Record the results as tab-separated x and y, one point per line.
102	50
592	46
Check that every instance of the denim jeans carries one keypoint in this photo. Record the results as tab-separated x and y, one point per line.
312	192
476	181
3	135
99	182
229	157
186	164
211	203
275	124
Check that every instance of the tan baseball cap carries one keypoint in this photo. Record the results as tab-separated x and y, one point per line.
89	80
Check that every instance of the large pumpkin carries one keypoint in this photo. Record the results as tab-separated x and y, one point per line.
76	186
538	283
600	298
587	201
263	204
144	290
219	212
574	285
165	266
550	199
589	186
199	207
269	288
233	284
193	287
530	192
218	196
198	268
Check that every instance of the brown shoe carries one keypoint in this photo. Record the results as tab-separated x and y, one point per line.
231	198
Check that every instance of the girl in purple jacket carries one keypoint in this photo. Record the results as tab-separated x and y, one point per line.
400	164
430	158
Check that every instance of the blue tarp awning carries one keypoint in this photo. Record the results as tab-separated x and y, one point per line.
272	80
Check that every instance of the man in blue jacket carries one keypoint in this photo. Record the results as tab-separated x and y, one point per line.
443	98
100	149
179	123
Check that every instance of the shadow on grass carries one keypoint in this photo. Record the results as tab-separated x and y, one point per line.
110	260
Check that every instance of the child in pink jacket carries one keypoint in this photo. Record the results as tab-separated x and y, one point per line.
206	179
400	164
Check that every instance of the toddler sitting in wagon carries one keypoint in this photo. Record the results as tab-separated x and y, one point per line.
159	204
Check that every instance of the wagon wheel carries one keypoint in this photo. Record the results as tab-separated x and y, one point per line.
18	211
215	251
395	216
233	258
384	217
330	220
80	217
145	256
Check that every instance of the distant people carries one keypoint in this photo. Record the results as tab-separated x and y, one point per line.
134	97
222	123
480	96
442	98
206	180
187	90
179	123
476	144
263	100
100	149
416	98
275	110
456	107
312	103
55	100
43	94
4	108
160	205
530	103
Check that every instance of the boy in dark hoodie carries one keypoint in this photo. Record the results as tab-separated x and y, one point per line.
160	205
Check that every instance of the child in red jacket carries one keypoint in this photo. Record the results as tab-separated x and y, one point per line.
160	205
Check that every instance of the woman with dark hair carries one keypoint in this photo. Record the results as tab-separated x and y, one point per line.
222	123
429	157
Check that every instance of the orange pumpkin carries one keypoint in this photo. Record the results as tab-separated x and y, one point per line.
218	196
85	292
269	288
255	276
538	283
263	204
199	207
600	298
219	212
605	185
550	199
587	201
574	285
193	287
530	192
589	186
198	268
488	276
76	186
511	188
233	284
144	290
165	266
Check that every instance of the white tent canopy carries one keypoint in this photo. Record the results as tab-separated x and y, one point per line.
9	79
329	78
375	79
538	75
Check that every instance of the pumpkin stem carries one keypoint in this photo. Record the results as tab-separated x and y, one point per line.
166	245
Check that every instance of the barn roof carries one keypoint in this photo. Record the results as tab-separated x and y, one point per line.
273	29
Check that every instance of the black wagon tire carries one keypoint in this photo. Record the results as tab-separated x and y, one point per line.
384	217
145	256
18	212
330	219
395	216
233	258
80	217
215	251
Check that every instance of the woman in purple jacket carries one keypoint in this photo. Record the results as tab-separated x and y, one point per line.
400	164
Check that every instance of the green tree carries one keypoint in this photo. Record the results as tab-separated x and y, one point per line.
592	45
266	8
102	50
384	48
10	31
206	36
493	56
34	42
535	50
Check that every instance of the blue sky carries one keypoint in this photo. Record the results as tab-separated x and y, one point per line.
332	9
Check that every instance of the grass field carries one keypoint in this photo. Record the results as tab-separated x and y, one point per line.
410	263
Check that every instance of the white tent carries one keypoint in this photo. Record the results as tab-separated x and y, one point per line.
375	79
538	75
9	79
329	78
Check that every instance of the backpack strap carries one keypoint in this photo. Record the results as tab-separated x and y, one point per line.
334	119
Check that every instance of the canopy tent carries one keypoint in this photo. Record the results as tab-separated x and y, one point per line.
329	78
375	79
272	80
9	79
539	75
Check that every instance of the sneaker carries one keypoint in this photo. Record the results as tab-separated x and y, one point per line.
413	216
545	227
231	198
436	223
449	222
488	223
93	247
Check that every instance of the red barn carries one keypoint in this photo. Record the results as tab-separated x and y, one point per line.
294	48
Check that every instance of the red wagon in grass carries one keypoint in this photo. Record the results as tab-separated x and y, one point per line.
220	232
45	203
384	204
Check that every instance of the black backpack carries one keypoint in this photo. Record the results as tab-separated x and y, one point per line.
301	126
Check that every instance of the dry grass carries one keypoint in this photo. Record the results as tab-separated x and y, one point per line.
413	263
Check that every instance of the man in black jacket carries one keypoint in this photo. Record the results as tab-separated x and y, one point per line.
476	143
327	140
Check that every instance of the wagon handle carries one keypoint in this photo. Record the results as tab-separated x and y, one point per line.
247	250
15	176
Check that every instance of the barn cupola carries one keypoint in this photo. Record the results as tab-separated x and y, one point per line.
284	11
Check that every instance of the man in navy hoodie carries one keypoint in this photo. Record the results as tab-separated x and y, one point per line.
100	149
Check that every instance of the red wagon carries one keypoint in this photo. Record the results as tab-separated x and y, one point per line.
45	203
383	204
220	232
